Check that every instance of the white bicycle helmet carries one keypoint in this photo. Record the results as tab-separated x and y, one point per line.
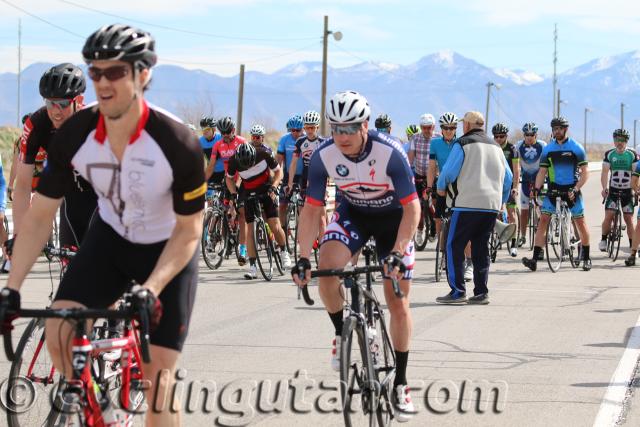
448	119
347	107
311	118
427	120
257	130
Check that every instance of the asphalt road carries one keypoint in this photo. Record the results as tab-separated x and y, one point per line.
555	344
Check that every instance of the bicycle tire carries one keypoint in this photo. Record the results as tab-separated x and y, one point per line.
261	244
553	244
533	226
360	372
617	226
276	257
44	412
441	255
422	236
213	230
291	224
385	369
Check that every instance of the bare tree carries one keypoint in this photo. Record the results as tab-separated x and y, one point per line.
193	111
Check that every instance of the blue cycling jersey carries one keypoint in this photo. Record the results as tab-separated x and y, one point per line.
207	146
378	180
440	150
286	147
563	161
3	191
530	159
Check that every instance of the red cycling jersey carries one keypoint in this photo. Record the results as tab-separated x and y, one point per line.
225	151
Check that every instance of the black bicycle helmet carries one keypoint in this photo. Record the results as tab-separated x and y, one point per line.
621	133
64	81
207	122
121	42
559	121
246	154
226	125
383	122
499	129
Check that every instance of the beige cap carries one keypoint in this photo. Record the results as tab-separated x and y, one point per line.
474	118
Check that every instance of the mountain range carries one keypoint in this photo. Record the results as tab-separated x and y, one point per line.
439	82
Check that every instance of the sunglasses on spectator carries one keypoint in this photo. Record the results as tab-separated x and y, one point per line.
529	134
350	129
449	127
112	74
60	103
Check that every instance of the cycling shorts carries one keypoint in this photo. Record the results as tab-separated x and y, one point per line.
104	267
353	229
269	207
627	203
218	178
576	207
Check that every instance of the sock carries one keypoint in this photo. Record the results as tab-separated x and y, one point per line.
402	358
630	243
537	250
604	237
585	252
252	261
336	319
513	243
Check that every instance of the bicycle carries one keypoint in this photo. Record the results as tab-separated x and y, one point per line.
368	369
421	237
292	217
219	230
618	226
441	248
263	239
561	241
534	218
96	372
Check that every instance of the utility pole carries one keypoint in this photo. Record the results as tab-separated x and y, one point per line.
622	115
337	36
19	70
557	103
556	112
586	110
486	115
240	100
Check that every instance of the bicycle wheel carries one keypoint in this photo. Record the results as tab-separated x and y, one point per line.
357	377
617	236
441	255
291	223
31	376
276	256
384	362
263	249
422	235
553	245
533	225
214	239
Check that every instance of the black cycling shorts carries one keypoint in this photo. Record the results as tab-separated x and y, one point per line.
104	267
269	207
218	178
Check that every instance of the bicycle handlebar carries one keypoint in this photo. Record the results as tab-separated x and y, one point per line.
61	252
356	271
137	312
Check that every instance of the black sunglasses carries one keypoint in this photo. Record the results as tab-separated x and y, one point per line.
60	103
529	134
449	127
112	73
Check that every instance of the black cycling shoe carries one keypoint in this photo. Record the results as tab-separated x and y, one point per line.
586	264
531	264
631	261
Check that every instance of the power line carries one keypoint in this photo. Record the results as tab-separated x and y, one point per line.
180	30
42	19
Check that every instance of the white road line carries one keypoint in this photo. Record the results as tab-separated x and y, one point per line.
613	402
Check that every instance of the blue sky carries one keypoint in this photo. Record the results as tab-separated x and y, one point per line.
267	35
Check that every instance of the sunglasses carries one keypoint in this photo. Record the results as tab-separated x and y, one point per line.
350	129
449	127
226	133
382	130
296	130
60	103
500	136
256	136
529	134
558	128
112	73
620	139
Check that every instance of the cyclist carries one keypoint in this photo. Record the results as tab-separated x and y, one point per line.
500	132
621	162
565	162
379	199
284	155
224	149
139	160
419	159
635	184
254	166
62	87
208	140
529	152
305	146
